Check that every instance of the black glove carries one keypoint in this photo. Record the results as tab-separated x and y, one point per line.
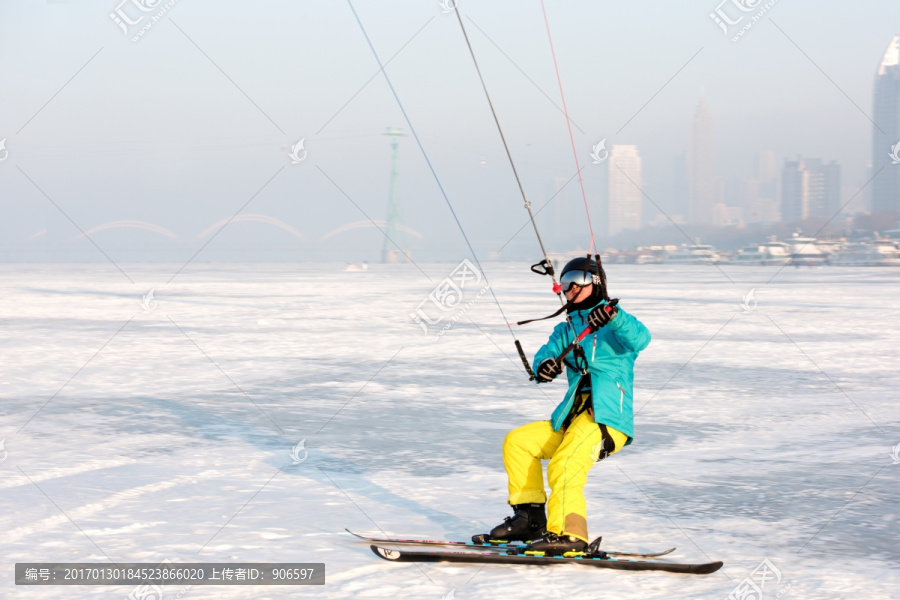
548	370
601	315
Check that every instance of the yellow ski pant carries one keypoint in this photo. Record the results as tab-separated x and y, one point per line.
572	453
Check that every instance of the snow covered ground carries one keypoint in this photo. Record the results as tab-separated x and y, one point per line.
164	431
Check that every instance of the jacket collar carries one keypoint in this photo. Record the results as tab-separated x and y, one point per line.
589	306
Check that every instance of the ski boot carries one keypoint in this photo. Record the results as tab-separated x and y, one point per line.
556	545
527	523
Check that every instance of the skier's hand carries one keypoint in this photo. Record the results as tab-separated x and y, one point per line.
548	370
601	315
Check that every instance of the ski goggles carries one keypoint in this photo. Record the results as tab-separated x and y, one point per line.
577	278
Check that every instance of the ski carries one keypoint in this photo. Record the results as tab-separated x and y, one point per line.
489	545
513	557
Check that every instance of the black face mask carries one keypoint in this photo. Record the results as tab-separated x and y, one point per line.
589	302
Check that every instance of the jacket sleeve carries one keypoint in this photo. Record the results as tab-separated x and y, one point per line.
554	346
630	332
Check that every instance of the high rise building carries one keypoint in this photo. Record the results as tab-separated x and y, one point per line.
886	130
829	203
794	191
625	200
761	191
816	189
767	174
810	188
701	167
745	194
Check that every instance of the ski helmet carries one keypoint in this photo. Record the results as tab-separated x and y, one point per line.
581	271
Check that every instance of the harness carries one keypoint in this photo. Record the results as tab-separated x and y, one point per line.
583	404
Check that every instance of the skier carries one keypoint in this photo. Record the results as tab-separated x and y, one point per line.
594	420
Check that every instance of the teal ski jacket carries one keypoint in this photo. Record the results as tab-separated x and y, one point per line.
610	353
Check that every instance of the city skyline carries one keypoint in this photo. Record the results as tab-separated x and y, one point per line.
807	186
154	133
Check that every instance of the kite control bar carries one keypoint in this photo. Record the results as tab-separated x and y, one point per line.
587	331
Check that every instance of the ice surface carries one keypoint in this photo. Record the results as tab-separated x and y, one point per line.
166	433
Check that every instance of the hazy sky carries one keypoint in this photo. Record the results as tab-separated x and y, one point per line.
183	127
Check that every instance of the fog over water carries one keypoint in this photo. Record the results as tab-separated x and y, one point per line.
189	125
